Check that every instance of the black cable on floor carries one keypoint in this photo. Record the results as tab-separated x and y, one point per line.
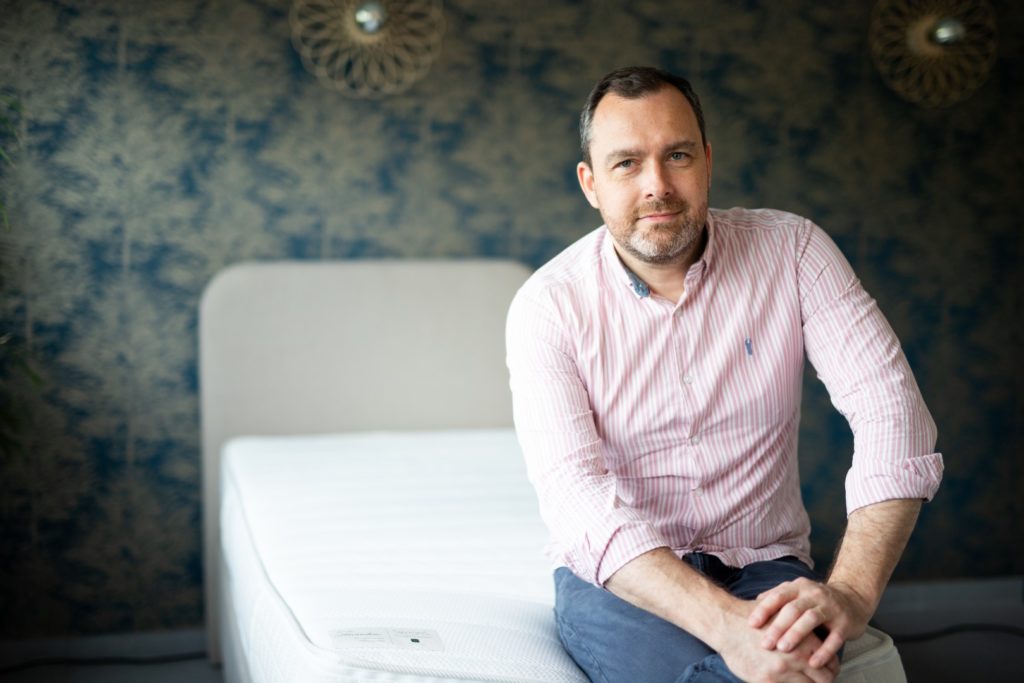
102	661
953	630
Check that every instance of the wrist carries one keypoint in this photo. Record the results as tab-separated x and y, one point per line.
729	616
861	601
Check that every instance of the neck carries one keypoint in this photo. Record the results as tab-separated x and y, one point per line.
667	280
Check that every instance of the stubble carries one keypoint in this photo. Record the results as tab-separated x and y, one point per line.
662	243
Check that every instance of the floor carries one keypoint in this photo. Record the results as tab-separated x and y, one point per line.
906	610
138	645
198	671
937	662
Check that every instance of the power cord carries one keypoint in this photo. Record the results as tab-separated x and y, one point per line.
102	661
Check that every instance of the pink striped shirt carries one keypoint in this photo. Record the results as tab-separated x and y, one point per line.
648	423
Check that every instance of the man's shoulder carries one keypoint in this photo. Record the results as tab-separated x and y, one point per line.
756	221
740	234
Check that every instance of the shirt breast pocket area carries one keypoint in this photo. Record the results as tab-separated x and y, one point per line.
764	385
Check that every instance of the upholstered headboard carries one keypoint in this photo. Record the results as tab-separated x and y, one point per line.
323	347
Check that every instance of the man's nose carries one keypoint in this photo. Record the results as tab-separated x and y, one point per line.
656	181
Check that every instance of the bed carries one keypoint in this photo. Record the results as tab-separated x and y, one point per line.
366	513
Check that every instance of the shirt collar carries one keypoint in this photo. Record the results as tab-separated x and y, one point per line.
619	270
625	275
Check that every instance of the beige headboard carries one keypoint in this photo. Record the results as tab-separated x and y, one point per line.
303	347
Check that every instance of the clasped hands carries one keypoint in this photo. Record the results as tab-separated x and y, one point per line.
787	616
780	644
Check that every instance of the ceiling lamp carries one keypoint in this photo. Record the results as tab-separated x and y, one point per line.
934	53
367	48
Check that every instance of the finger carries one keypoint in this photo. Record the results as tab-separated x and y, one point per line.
833	665
773	589
820	675
805	624
829	650
824	674
781	624
768	603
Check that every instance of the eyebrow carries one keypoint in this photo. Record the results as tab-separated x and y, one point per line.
681	145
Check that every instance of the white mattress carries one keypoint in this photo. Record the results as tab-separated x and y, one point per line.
405	557
341	550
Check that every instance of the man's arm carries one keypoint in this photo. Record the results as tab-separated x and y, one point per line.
874	540
858	357
662	584
595	532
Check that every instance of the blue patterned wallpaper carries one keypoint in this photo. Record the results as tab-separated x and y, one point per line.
162	141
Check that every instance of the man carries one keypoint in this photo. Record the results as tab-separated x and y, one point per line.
656	369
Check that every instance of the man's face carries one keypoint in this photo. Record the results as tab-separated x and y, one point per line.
649	174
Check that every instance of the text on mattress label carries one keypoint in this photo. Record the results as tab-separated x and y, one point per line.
391	638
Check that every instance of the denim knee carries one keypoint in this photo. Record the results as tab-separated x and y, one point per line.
711	669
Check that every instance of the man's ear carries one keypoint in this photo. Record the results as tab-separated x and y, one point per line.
707	154
586	177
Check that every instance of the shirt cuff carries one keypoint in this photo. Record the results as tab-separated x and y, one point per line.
627	543
873	482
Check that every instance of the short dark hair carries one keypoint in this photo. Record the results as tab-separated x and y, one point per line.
634	82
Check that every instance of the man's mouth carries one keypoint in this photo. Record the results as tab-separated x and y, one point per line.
658	212
655	217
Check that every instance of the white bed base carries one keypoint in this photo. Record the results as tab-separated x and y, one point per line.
325	347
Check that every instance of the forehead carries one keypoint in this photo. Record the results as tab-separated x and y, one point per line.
662	115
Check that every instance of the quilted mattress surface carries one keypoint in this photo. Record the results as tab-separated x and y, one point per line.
401	556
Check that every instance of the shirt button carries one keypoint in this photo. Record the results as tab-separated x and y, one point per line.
687	379
698	491
695	439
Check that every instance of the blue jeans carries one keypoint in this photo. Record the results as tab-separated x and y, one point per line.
615	642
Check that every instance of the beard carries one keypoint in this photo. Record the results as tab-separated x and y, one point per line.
664	242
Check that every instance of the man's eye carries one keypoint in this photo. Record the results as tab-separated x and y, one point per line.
625	163
679	156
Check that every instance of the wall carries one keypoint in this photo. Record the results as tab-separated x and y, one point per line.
164	141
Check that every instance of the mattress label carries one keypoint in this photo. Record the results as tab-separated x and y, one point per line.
387	638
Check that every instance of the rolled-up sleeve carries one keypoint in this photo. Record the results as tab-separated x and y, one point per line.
593	532
858	357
